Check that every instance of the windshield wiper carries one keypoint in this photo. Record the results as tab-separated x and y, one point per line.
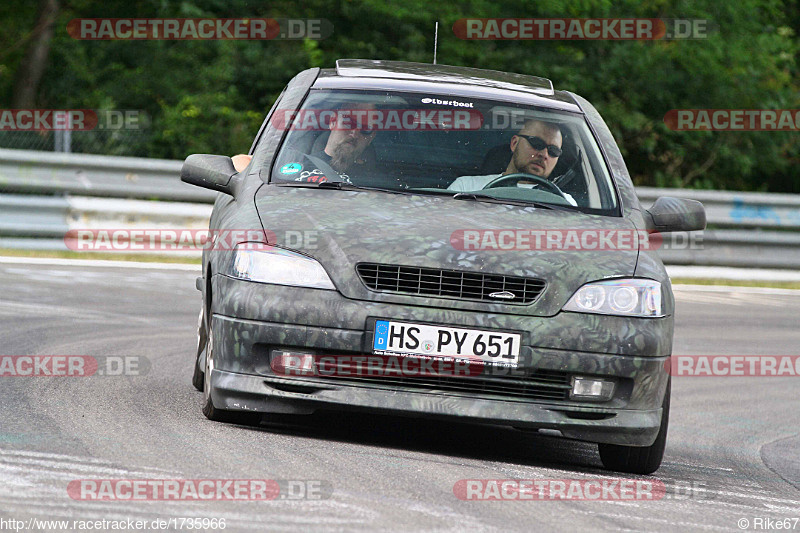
479	197
340	186
316	185
344	186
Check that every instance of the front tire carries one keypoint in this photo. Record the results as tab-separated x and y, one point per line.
198	377
211	412
635	459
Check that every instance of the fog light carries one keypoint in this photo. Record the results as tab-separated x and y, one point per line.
593	389
288	363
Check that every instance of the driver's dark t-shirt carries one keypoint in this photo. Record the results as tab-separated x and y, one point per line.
300	167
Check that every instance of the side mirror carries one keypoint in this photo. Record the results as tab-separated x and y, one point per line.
675	214
209	171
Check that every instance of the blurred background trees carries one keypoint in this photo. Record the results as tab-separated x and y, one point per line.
211	96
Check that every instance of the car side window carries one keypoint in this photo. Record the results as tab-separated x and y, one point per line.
266	121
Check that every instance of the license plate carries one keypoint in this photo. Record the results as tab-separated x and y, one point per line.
403	338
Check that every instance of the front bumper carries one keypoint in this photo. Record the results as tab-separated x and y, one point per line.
253	393
327	323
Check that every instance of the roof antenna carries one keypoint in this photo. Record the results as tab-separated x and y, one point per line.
435	42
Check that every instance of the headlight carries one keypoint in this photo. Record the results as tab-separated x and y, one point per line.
624	297
280	267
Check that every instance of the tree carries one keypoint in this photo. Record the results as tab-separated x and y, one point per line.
36	58
194	90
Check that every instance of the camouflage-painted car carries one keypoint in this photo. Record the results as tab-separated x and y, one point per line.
442	242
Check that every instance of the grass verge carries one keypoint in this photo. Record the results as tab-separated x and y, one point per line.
737	283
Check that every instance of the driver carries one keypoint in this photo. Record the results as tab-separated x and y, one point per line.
343	150
535	150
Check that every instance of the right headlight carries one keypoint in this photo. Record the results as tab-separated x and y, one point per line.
280	267
623	297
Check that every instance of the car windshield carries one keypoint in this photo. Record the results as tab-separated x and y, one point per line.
464	148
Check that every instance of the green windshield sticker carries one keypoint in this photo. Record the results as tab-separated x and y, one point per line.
291	168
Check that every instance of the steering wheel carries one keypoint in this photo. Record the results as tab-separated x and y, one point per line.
521	176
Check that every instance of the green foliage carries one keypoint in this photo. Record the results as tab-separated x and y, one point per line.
210	96
204	123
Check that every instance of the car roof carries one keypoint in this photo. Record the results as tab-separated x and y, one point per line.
445	79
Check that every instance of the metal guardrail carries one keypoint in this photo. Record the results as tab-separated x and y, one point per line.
755	230
750	230
32	172
736	248
42	222
25	216
729	209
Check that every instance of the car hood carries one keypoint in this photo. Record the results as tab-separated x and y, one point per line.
343	228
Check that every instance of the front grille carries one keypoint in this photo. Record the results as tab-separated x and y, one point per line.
449	283
536	385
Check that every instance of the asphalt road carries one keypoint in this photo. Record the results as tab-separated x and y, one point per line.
733	451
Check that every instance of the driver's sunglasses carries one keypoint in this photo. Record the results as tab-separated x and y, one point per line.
537	143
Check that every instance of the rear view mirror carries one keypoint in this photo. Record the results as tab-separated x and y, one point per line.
209	171
675	214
